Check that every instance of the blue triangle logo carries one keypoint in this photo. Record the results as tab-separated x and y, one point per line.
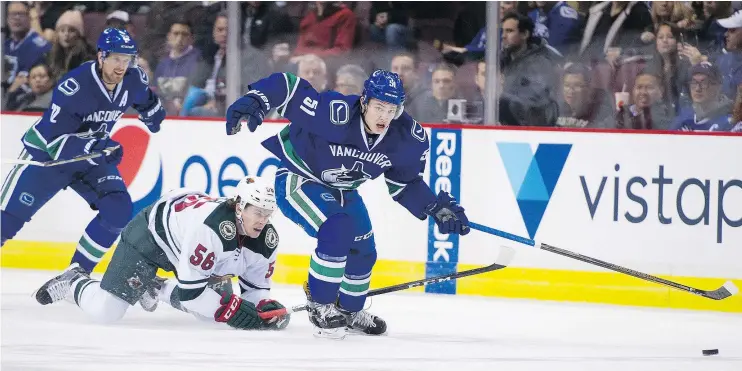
533	177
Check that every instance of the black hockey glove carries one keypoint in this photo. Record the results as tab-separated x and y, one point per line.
249	108
275	323
238	313
448	215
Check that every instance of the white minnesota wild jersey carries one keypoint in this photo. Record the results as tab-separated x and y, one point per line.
199	236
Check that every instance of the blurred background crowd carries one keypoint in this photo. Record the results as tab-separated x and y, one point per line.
656	65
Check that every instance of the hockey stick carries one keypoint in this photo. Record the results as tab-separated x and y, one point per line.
723	292
503	259
91	156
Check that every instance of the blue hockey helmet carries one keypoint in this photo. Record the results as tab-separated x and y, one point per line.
385	86
114	40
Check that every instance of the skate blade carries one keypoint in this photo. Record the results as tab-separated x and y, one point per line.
330	333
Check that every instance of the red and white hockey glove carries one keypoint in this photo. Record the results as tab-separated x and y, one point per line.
274	323
238	313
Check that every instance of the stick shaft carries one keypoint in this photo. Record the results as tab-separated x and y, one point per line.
503	259
716	295
91	156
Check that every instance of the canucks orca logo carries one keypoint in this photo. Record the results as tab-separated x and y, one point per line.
343	177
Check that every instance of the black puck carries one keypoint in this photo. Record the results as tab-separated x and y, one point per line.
710	352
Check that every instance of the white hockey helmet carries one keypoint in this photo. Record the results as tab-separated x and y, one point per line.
255	191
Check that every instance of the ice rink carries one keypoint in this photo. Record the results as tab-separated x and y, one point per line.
426	332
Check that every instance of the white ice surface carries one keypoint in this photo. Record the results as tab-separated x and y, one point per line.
426	332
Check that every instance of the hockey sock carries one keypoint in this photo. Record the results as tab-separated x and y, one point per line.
94	243
9	226
356	280
99	304
327	264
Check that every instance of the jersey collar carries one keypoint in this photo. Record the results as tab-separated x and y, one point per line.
103	87
365	137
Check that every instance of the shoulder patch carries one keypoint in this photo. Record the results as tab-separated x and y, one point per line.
418	131
339	112
568	12
227	229
143	76
69	87
271	238
221	221
265	244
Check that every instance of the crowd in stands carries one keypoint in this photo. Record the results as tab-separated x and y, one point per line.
657	65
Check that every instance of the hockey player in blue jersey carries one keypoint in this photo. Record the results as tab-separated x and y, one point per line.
333	145
85	105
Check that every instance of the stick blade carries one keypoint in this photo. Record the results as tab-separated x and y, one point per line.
505	256
726	290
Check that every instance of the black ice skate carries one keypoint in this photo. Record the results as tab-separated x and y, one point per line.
151	296
58	288
328	321
364	323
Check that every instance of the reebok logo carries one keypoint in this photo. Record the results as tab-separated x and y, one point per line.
533	177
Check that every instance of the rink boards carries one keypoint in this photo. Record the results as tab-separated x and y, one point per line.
669	205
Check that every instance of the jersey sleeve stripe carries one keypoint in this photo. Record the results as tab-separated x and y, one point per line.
55	148
292	83
186	294
245	284
160	227
34	139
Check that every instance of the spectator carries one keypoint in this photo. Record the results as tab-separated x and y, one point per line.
405	65
24	47
737	112
39	98
119	19
649	112
313	69
582	106
264	22
432	106
328	30
711	34
173	71
70	48
673	61
388	24
349	79
207	94
676	13
528	67
44	15
730	63
560	24
613	27
710	110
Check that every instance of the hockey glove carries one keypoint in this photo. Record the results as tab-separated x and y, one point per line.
249	108
114	158
275	323
238	313
153	116
448	215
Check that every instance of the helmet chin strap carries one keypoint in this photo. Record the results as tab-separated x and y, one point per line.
240	225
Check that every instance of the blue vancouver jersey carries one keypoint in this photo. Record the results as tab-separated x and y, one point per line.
687	121
327	143
24	54
81	106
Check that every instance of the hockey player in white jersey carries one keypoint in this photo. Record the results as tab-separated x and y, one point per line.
203	240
